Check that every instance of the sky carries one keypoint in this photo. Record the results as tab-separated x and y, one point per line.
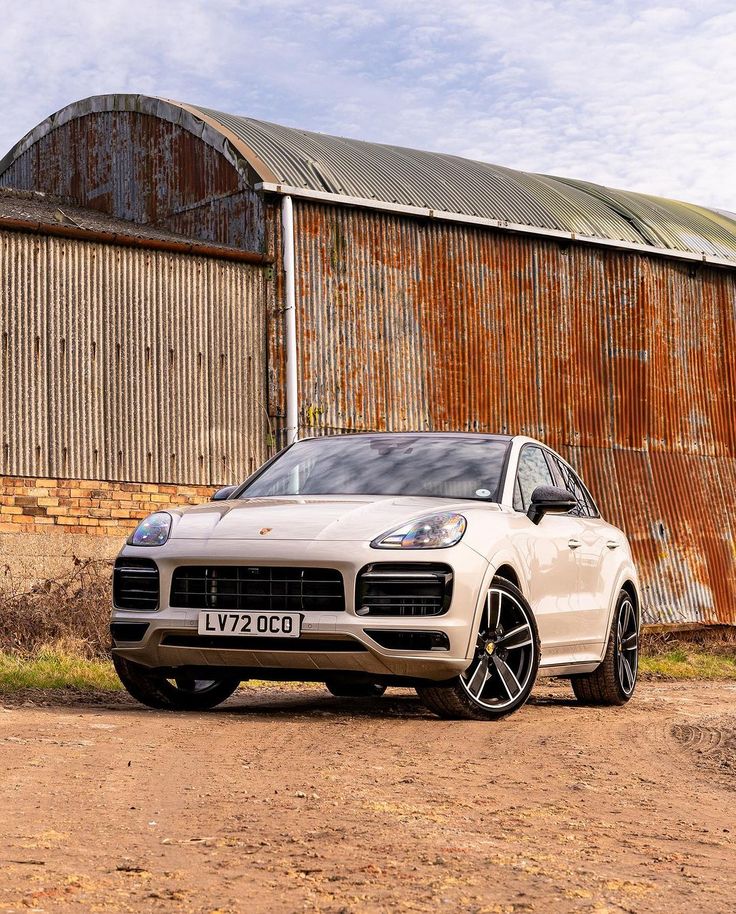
637	95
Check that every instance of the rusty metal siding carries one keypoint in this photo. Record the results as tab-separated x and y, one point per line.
146	170
126	364
625	364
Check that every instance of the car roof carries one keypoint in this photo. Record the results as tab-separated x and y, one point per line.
428	434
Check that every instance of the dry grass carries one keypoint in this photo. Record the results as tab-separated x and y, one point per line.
704	653
56	668
689	662
72	611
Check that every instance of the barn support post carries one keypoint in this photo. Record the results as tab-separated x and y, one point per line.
292	404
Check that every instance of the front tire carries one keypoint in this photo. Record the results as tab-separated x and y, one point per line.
504	667
183	693
614	681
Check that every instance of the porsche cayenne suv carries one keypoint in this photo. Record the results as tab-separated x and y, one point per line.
461	565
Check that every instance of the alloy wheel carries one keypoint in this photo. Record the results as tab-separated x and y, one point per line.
627	649
504	658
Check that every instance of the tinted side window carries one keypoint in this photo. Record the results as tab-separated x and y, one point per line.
585	506
533	471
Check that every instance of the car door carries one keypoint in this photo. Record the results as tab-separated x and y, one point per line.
549	551
595	554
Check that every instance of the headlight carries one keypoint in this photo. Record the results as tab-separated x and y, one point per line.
153	531
437	531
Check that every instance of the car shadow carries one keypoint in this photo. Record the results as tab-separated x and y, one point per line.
266	702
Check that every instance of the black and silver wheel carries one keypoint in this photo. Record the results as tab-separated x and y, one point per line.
614	681
181	693
504	666
342	688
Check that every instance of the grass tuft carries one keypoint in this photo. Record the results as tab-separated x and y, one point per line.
685	662
55	668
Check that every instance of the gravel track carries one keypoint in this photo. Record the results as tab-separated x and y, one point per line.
289	800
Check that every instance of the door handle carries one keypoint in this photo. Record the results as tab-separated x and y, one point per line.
613	544
574	544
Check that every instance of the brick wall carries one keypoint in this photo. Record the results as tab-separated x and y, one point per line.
31	505
47	525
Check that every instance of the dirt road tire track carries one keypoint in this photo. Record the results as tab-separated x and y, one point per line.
284	801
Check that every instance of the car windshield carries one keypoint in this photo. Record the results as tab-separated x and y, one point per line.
430	465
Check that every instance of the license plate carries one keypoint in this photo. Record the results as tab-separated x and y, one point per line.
279	625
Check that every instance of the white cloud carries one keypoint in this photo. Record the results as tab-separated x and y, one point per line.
632	94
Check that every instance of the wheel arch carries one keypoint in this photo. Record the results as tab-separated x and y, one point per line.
630	588
504	564
627	581
508	573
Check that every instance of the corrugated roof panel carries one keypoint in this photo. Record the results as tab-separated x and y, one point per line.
447	184
411	177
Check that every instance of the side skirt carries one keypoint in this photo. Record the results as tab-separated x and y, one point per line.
567	669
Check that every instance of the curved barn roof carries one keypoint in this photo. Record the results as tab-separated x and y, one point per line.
354	170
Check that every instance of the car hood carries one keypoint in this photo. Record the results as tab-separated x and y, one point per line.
326	518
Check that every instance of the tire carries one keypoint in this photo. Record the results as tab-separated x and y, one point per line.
181	694
503	670
614	681
341	689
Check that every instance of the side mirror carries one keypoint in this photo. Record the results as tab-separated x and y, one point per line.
550	500
224	493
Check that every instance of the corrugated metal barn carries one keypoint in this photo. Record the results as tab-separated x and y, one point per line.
147	285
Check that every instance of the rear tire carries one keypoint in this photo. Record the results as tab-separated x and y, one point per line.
180	694
614	681
341	689
503	670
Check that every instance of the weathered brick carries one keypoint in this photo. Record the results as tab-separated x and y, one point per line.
25	501
34	511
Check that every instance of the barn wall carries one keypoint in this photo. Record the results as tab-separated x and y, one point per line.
624	363
129	365
147	170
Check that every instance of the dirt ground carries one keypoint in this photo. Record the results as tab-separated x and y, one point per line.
292	801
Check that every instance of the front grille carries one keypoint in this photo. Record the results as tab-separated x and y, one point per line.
135	584
230	642
258	588
406	589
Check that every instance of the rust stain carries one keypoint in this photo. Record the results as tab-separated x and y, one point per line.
625	364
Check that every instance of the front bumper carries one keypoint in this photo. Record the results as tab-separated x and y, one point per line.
339	640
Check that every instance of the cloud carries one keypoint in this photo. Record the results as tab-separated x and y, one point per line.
632	94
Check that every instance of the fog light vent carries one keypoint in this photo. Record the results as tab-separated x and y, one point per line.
409	641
